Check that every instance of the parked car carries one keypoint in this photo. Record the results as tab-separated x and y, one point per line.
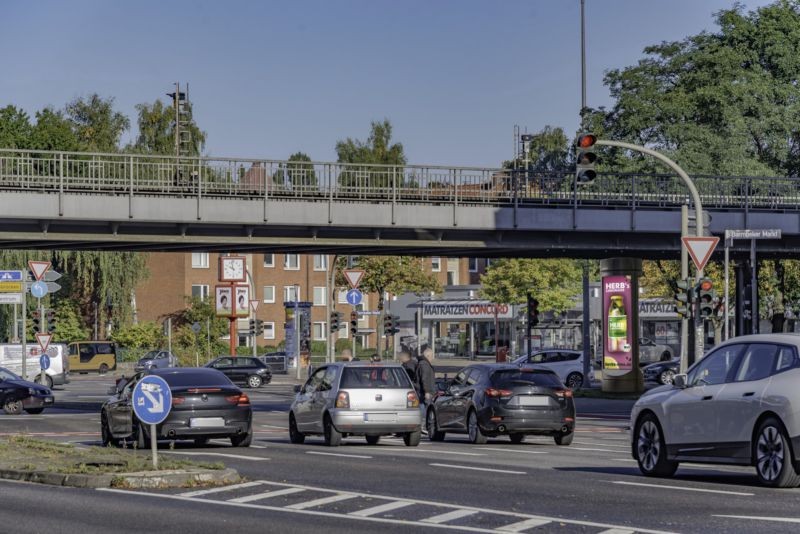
278	362
567	364
740	404
662	372
205	405
17	394
156	359
243	370
58	372
356	399
650	351
92	356
488	400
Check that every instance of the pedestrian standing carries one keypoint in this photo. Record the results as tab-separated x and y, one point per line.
426	379
410	365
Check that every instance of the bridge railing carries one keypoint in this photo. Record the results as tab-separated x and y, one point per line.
147	175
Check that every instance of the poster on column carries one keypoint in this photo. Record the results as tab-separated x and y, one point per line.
617	325
242	301
223	301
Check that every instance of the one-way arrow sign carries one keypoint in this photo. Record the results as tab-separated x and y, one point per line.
700	249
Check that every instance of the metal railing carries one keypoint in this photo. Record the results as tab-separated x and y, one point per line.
147	175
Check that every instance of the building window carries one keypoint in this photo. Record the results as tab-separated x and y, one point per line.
436	264
291	262
488	262
199	291
269	294
199	260
269	260
344	331
290	292
342	297
321	262
269	330
473	265
319	296
452	278
318	333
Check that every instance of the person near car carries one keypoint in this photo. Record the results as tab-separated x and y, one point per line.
410	365
426	378
347	356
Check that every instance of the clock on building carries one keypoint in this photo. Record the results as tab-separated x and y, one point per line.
232	269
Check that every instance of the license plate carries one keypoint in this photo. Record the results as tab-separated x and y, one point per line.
380	417
206	422
534	400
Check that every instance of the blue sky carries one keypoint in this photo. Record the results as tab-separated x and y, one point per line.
274	77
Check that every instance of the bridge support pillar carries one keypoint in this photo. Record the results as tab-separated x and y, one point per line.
620	298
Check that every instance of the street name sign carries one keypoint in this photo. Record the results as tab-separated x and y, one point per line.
354	297
761	233
700	249
353	277
152	400
38	268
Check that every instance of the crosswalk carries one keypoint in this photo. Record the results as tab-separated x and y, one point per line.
356	506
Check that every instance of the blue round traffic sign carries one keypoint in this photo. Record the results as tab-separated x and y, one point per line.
354	297
39	289
44	362
152	400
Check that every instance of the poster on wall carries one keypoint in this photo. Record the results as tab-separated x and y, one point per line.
242	301
223	301
617	327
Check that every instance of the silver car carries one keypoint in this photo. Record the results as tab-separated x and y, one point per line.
156	359
739	405
651	352
356	399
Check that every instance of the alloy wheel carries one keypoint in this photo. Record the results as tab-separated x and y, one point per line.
648	447
667	376
770	453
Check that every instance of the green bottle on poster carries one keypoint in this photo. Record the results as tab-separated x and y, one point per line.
617	325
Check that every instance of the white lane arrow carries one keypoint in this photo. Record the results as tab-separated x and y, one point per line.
158	404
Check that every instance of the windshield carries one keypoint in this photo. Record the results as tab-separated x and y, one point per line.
199	379
374	377
513	377
5	374
150	355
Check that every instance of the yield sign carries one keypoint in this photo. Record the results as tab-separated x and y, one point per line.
354	277
254	305
700	249
44	340
38	268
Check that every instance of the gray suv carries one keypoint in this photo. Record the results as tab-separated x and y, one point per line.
356	399
156	359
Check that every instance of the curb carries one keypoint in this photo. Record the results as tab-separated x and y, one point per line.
144	479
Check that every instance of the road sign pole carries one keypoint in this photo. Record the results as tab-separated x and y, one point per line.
754	288
726	296
24	328
45	328
154	446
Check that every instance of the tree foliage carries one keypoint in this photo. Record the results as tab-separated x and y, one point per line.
554	282
144	335
299	170
96	124
377	150
156	124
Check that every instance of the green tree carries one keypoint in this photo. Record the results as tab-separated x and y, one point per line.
144	335
377	150
556	283
53	131
15	128
299	171
548	152
156	124
95	123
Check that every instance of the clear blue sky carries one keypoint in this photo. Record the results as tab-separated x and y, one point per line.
270	78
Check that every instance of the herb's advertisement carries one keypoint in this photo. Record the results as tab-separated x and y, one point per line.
617	325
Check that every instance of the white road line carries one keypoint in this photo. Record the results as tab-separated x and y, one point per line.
491	470
449	516
267	495
587	449
510	450
412	449
596	444
218	490
624	460
617	531
524	525
321	502
680	488
762	518
274	426
337	454
222	454
381	508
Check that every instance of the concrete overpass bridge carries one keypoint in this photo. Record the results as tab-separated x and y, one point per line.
70	200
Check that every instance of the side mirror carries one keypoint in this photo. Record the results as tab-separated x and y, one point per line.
679	381
298	388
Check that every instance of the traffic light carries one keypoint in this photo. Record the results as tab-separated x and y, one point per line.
390	325
354	322
336	321
51	320
533	311
706	297
585	160
683	298
256	327
37	322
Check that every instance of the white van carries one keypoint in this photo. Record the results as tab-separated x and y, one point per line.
58	372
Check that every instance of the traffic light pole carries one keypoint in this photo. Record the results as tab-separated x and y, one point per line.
529	332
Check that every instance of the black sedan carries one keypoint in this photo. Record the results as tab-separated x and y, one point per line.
488	400
662	372
243	370
17	394
205	405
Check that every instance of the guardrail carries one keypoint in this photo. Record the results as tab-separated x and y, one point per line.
146	175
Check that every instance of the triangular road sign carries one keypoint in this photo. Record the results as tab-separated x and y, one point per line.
44	340
353	277
700	249
38	268
254	305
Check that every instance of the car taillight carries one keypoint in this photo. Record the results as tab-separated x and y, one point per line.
412	401
343	400
241	400
498	393
564	393
178	400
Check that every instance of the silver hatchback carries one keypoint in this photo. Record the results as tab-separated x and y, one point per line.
356	399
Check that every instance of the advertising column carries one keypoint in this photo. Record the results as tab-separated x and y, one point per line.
620	285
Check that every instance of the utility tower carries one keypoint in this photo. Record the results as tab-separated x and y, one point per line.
183	118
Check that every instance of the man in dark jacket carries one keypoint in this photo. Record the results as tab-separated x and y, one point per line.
426	378
410	365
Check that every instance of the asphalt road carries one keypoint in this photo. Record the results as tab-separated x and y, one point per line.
591	486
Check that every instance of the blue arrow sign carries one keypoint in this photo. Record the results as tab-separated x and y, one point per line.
39	289
152	400
44	362
354	297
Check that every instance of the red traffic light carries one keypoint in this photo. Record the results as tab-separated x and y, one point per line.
706	285
586	141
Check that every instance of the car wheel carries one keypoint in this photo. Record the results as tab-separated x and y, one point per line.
475	435
34	411
13	407
243	440
651	451
412	439
105	432
373	440
773	458
295	436
666	356
332	436
666	377
564	438
431	425
103	369
254	381
48	380
142	439
200	442
574	380
516	437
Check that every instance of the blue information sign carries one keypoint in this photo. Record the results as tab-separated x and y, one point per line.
354	297
39	289
152	400
44	362
10	276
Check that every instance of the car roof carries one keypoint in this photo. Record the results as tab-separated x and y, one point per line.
184	370
504	367
785	338
365	363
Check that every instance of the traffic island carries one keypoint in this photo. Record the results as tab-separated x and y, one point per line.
46	462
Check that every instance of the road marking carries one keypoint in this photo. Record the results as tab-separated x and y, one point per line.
338	454
274	426
601	444
218	490
267	495
624	460
587	449
510	450
680	488
381	508
762	518
222	454
411	449
449	516
321	502
524	525
491	470
618	531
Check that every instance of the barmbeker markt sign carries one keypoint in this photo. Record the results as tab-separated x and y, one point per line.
465	310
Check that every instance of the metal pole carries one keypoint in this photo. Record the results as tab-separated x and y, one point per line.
726	298
528	332
496	336
24	326
583	59
252	313
685	276
15	330
587	353
154	446
328	309
754	288
45	328
297	330
169	334
208	339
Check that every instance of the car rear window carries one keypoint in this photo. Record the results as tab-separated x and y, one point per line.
374	377
184	378
512	377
